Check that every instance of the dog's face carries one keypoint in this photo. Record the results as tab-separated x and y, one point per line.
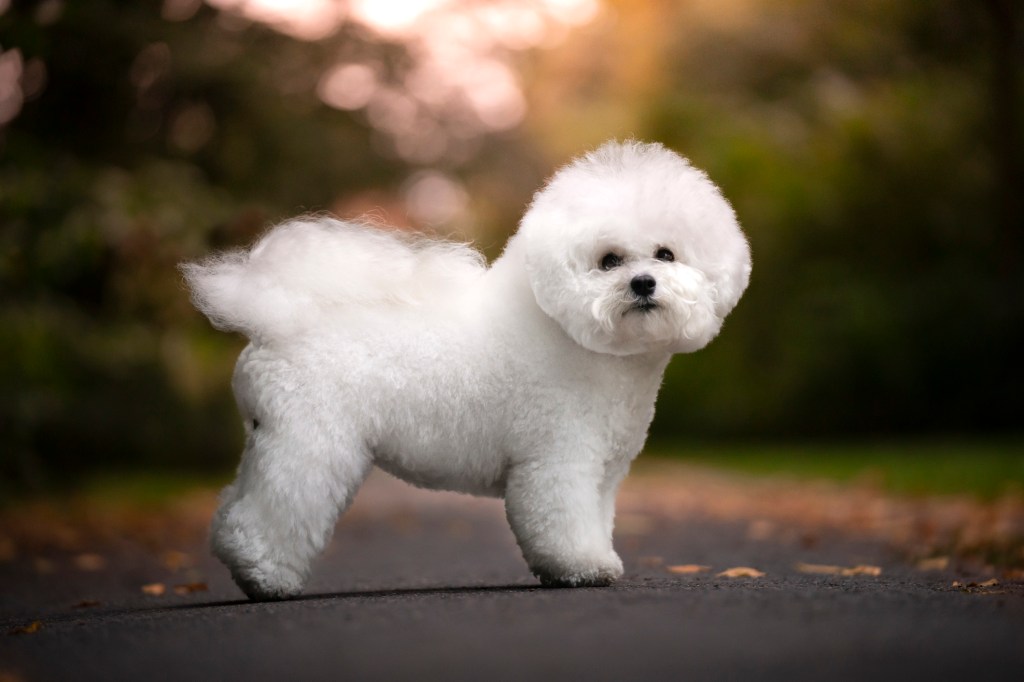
632	250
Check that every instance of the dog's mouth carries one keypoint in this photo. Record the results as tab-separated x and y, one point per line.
642	305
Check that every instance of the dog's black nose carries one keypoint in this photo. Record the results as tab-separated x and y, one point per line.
643	285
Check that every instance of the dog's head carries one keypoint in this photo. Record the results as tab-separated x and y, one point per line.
633	250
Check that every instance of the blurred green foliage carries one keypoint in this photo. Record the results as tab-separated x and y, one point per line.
863	155
872	151
988	469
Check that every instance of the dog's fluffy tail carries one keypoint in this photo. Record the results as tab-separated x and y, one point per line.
302	271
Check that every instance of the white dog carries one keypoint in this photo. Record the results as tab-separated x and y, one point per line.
533	379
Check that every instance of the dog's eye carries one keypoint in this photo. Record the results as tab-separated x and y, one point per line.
665	255
609	261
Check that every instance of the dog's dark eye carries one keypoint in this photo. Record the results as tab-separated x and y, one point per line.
665	255
609	261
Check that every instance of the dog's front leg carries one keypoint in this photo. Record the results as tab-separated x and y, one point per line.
558	512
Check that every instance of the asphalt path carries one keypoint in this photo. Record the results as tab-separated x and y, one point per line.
426	586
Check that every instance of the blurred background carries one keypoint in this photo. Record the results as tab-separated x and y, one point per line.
872	150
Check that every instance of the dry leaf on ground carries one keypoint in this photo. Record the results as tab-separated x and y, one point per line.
189	588
863	569
976	587
741	572
958	526
938	563
154	589
29	629
686	569
818	569
828	569
90	562
87	604
172	559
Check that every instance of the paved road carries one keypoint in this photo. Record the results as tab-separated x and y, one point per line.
429	586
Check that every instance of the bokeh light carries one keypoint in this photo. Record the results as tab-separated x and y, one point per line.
303	19
461	83
871	150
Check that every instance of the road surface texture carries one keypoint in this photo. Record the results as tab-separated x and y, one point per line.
430	586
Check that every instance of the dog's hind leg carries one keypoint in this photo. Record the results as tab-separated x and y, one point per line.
297	474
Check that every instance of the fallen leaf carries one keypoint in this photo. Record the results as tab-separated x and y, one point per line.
189	588
828	569
741	572
154	589
809	540
863	569
90	562
29	629
172	559
978	588
938	563
651	561
687	569
818	569
87	604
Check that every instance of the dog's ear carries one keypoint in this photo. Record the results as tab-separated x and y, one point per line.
547	259
731	286
733	276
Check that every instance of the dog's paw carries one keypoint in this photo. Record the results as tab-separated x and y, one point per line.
264	570
596	573
263	579
261	586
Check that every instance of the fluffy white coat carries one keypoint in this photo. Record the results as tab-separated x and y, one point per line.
533	379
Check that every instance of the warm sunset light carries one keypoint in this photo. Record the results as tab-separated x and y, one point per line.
304	19
461	83
394	18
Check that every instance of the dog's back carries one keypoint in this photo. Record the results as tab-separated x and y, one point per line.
306	272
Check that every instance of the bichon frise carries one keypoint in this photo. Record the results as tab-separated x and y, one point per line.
533	379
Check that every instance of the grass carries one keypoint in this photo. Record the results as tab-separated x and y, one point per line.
147	488
131	487
986	469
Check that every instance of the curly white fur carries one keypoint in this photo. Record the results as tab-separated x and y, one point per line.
534	379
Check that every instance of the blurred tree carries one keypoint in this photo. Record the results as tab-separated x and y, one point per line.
147	141
872	151
135	135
